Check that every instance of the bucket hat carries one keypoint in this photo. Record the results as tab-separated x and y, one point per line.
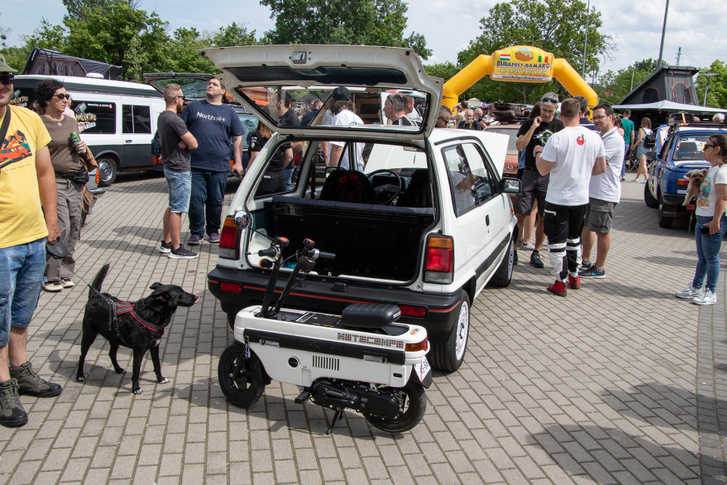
4	65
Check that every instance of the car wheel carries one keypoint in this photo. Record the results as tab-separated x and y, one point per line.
503	275
107	170
664	221
649	199
449	355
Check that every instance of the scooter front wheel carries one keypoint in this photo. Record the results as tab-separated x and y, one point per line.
245	388
413	406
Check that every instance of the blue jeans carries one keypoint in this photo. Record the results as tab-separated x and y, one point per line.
21	274
208	189
708	253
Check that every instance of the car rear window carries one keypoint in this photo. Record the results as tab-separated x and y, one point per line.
690	147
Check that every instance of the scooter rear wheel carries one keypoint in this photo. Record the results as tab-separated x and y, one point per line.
245	389
414	405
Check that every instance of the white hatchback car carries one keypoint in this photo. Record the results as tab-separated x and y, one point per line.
425	225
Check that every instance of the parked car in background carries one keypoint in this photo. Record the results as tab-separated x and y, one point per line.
681	152
510	168
425	225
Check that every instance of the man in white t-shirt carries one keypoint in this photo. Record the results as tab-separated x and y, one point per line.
570	156
339	150
604	194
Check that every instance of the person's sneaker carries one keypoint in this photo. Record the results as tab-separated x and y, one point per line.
181	253
67	283
52	286
593	272
585	266
688	293
708	297
12	413
559	288
31	384
535	260
215	238
574	283
193	240
525	247
165	248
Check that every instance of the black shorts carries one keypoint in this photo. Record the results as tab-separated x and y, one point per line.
533	186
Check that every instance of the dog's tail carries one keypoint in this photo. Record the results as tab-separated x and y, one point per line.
98	280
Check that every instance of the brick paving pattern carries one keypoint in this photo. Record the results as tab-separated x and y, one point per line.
620	382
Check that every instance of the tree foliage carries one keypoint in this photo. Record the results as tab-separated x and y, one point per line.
614	86
556	26
368	22
717	93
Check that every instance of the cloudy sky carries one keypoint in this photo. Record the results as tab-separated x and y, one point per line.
449	25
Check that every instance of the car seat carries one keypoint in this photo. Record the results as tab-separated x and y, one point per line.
348	186
688	151
418	193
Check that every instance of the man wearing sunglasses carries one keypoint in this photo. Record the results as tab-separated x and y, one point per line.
535	133
27	179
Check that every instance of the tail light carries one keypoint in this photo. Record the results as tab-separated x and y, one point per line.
230	239
98	176
683	182
413	311
439	260
417	346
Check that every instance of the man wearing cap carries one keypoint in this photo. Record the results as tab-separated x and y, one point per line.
27	180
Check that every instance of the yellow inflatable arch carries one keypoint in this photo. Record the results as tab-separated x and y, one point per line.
518	64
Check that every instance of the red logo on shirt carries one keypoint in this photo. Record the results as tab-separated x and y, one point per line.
581	140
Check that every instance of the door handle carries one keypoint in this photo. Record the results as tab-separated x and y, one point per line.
128	141
487	219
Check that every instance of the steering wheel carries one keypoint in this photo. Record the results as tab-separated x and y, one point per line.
386	193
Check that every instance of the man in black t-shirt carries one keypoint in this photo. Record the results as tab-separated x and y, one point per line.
288	118
532	133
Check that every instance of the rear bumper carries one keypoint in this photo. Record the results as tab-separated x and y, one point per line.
329	295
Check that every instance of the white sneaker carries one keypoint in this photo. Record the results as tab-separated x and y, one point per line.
688	293
709	297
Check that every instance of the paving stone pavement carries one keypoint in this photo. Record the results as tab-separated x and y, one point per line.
620	382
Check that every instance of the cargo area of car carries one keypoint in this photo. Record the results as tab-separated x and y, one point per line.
369	240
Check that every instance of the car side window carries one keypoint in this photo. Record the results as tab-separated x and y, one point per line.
484	185
461	179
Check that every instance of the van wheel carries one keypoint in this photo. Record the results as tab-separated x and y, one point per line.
107	170
503	275
449	355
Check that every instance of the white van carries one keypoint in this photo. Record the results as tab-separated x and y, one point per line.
117	119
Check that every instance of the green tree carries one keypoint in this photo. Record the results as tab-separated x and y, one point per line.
717	93
231	35
556	26
614	86
368	22
119	34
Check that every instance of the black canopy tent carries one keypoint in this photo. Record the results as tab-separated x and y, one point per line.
667	83
48	62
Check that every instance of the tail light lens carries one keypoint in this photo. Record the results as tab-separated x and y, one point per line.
418	346
440	260
98	176
683	182
413	311
230	239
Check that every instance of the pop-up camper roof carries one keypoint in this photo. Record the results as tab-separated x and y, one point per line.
668	83
48	62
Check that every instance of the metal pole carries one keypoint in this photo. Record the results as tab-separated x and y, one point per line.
663	33
708	75
585	44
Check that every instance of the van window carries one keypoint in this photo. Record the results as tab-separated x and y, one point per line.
137	119
95	117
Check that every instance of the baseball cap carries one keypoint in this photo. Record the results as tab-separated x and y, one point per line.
4	65
341	93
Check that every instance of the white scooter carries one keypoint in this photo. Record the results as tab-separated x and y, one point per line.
360	360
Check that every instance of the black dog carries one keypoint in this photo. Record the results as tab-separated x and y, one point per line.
137	325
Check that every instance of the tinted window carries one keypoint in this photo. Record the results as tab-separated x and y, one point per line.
470	179
137	119
95	117
690	147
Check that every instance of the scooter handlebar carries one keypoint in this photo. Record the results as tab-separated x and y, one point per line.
325	255
271	252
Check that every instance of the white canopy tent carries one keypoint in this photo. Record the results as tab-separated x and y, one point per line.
668	106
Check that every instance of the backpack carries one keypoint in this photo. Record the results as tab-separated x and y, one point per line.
650	140
156	149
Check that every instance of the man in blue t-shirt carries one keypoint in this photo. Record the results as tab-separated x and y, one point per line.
218	131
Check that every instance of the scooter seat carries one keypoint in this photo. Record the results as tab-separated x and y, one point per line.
369	315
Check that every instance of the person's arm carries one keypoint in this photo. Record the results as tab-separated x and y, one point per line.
188	141
287	157
524	140
640	136
600	166
719	207
544	166
631	142
48	194
336	152
237	154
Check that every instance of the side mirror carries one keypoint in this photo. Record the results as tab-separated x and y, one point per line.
242	219
510	185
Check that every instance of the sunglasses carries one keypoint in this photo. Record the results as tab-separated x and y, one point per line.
707	145
600	117
6	79
62	96
180	96
549	100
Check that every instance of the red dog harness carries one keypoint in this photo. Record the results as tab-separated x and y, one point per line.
121	308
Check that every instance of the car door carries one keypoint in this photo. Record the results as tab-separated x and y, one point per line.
136	127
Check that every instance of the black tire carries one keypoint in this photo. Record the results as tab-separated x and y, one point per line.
664	221
414	405
649	199
107	169
248	387
503	275
448	356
